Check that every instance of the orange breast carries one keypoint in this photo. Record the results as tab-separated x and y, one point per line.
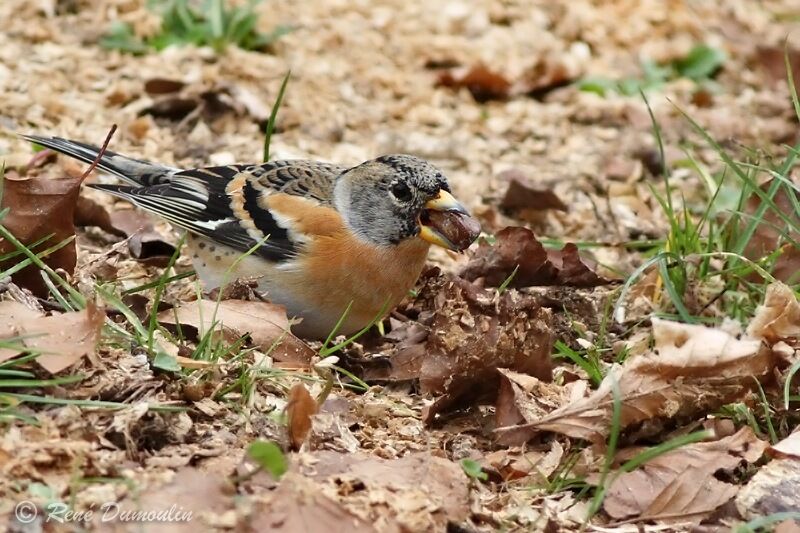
336	268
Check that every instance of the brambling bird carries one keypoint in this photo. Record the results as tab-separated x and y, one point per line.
325	237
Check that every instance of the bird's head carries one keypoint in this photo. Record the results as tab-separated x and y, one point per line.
397	197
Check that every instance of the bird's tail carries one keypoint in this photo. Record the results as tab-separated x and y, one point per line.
132	171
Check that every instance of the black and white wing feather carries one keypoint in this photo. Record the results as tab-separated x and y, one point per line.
219	203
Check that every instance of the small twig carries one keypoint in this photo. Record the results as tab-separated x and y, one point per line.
100	153
711	302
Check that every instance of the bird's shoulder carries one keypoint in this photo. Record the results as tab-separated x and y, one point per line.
281	204
313	180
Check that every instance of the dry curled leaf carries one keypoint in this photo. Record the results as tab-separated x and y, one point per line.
778	317
419	491
63	339
523	398
517	254
298	505
90	213
159	86
522	193
463	335
772	60
145	243
483	83
788	447
681	482
193	499
265	323
692	369
549	72
300	407
770	234
773	489
39	208
474	332
516	463
176	100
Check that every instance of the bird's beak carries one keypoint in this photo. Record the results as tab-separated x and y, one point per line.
429	230
445	202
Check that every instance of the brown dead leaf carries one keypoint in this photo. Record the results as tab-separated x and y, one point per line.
405	358
474	332
483	83
145	243
692	369
159	86
514	463
702	97
90	213
517	248
301	406
788	447
462	336
63	339
681	482
522	398
238	289
773	489
769	234
12	317
573	269
419	491
514	248
192	501
331	426
299	506
265	323
788	526
771	59
546	74
40	207
778	317
176	100
522	193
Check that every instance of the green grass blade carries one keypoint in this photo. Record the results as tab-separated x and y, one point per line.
29	383
153	325
790	77
611	449
338	326
674	295
153	284
591	370
76	296
787	385
672	444
274	115
100	404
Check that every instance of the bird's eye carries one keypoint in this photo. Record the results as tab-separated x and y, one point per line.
401	191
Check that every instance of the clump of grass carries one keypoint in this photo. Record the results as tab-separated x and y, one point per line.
703	271
213	23
699	65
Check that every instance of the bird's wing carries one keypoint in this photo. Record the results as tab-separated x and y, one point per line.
228	204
